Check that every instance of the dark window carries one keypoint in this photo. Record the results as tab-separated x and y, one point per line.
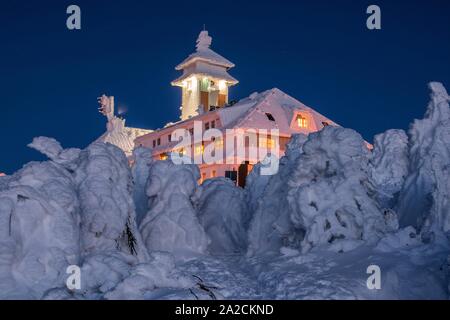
169	138
207	126
154	143
159	141
325	124
213	124
270	117
191	131
232	175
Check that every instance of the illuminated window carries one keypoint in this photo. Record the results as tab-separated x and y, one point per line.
199	149
268	142
181	152
203	176
218	143
163	156
213	174
302	122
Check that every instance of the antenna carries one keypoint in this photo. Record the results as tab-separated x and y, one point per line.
204	27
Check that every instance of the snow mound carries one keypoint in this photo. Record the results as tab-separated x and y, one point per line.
171	224
108	219
223	213
389	165
142	159
329	192
427	190
271	227
39	230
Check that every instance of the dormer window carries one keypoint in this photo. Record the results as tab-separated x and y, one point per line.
270	117
302	122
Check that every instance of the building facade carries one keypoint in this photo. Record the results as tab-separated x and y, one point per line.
227	139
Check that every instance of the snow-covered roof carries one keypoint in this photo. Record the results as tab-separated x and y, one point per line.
123	138
207	71
204	53
252	112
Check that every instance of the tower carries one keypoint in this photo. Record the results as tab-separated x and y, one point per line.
205	79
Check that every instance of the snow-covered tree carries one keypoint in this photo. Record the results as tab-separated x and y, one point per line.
39	227
426	192
389	165
142	158
171	224
330	192
271	226
223	213
108	221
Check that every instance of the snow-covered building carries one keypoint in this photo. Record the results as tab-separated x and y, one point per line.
116	131
205	83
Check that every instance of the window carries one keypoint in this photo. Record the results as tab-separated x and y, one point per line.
232	175
159	141
213	174
199	149
302	122
270	117
169	138
154	143
207	126
218	143
191	131
213	124
203	176
268	143
325	124
163	156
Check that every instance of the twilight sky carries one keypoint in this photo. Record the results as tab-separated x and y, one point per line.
320	52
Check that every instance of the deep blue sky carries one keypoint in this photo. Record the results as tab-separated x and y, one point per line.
318	51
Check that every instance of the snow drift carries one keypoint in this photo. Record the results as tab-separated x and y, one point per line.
223	213
171	224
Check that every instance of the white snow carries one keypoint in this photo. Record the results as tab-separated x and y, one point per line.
171	224
308	232
426	187
223	213
389	165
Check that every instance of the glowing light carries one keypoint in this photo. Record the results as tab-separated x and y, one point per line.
302	122
192	84
222	85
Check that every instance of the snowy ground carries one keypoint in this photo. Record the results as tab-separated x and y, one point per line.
405	274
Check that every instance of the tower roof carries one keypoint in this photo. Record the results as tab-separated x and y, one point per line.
205	54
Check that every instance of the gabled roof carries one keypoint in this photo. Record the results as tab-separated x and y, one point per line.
251	112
